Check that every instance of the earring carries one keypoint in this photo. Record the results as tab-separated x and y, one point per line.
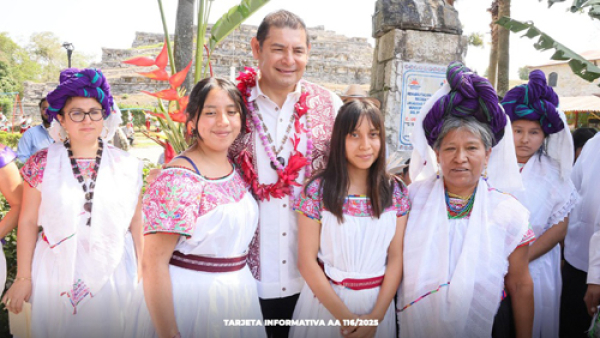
438	171
485	175
63	136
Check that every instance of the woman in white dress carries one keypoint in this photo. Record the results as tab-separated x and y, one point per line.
544	149
466	242
199	219
350	231
79	273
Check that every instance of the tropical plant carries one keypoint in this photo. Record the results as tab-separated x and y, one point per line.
503	50
593	6
172	117
580	66
492	70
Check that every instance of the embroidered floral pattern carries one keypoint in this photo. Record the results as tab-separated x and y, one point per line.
33	170
310	204
79	292
178	197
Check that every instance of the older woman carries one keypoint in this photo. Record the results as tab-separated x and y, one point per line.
80	271
544	149
465	240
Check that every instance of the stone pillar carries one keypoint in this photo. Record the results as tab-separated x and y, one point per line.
415	41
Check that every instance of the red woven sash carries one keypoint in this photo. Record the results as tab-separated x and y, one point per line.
207	264
355	283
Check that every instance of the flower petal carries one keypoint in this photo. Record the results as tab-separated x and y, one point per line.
157	74
167	94
141	61
163	57
177	79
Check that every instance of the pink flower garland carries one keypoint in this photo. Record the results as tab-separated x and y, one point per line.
287	175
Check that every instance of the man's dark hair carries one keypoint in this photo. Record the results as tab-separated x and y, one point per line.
280	19
581	136
42	102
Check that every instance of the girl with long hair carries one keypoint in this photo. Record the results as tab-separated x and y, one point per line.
199	219
350	231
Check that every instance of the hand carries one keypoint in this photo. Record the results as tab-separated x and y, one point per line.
345	330
152	175
365	331
19	292
592	298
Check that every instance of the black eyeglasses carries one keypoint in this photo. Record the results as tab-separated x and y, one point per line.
78	115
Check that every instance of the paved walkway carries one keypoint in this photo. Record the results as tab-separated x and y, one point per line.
150	153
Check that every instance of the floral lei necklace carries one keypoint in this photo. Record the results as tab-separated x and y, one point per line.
286	175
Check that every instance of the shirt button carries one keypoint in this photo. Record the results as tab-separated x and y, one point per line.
284	261
276	108
285	205
280	120
283	289
283	234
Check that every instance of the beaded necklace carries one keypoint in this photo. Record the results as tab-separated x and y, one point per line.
88	191
455	211
270	139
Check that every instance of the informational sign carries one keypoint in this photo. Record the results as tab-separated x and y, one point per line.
419	82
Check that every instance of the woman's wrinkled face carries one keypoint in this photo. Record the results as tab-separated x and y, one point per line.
529	137
86	130
462	157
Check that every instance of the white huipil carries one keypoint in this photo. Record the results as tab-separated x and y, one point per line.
356	249
549	199
213	218
83	276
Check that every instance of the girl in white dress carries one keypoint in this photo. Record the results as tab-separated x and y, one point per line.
350	230
544	149
79	273
199	219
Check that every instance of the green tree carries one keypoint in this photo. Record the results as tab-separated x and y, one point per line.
524	73
16	66
45	48
476	39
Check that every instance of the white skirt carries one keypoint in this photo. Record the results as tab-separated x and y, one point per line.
203	302
103	315
2	268
358	302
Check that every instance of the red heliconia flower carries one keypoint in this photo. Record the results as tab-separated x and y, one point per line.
163	57
157	74
177	79
141	61
169	152
167	94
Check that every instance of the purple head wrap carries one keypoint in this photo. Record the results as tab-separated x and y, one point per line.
87	82
534	101
470	95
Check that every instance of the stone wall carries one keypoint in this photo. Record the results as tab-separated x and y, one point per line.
397	47
568	83
334	60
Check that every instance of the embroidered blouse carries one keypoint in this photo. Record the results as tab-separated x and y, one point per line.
33	170
310	203
178	197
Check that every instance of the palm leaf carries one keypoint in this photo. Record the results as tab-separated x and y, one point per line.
232	19
580	66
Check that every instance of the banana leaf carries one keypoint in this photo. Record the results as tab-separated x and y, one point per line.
580	5
580	66
232	20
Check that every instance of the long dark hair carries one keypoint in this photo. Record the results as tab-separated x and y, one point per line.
200	94
335	179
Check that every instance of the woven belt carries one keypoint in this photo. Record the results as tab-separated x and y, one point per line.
355	283
207	264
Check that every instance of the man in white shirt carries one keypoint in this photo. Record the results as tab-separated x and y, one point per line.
277	96
36	138
582	254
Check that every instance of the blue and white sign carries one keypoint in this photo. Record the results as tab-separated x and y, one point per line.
419	82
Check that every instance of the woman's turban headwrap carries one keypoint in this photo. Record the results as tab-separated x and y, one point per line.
87	82
534	101
470	95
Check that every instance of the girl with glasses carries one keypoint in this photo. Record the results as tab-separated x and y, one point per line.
79	272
